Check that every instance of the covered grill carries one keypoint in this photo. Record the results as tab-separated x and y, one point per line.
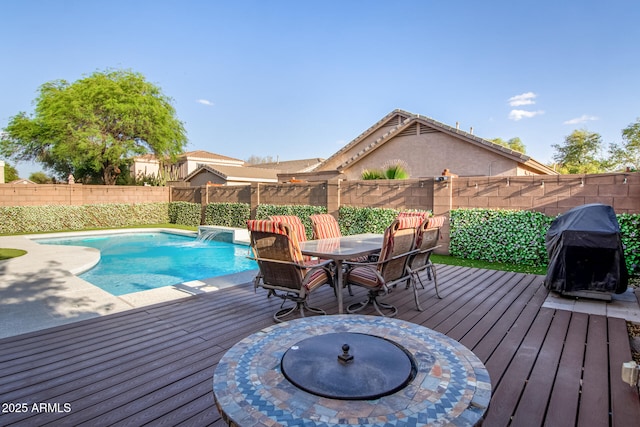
585	253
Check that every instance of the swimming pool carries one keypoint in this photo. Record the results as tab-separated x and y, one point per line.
135	262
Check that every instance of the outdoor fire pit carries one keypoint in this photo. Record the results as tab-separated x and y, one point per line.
364	367
350	370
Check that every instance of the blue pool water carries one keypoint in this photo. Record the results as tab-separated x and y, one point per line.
137	262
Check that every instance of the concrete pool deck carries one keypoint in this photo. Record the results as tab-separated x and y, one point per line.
40	290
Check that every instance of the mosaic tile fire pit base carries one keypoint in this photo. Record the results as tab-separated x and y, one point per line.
452	386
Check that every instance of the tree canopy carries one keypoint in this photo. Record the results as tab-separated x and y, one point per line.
256	160
40	178
627	154
92	127
10	173
580	153
514	144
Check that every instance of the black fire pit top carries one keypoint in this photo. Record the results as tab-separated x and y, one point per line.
348	366
451	386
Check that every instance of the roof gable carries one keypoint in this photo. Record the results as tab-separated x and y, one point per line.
401	123
206	155
290	166
237	173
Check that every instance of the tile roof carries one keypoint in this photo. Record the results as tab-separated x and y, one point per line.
237	173
290	166
407	119
201	154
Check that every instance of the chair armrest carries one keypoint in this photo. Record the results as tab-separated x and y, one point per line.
375	263
424	251
279	261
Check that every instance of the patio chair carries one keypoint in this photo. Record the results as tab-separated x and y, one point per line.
295	223
388	270
283	271
426	242
413	217
324	226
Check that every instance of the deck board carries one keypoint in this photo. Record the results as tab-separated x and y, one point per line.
564	399
544	371
594	403
154	365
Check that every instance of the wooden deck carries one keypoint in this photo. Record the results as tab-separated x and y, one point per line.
155	365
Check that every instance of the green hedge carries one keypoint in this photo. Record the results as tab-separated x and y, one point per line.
35	219
630	232
227	214
517	237
354	220
185	213
301	211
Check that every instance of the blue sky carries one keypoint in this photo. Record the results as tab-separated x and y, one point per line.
299	79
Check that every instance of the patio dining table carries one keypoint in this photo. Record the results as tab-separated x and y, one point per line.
340	249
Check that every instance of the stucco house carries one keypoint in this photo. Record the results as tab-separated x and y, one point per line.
185	165
427	147
291	166
230	175
195	168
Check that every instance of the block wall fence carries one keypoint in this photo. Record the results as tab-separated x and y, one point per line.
76	194
549	194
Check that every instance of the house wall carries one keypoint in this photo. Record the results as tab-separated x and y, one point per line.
427	155
1	172
204	177
144	167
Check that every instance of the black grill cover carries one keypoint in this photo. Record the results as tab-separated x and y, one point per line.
585	251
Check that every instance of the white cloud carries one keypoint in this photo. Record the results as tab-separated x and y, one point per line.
523	114
526	98
205	102
582	119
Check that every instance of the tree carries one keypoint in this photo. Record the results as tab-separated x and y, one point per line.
10	173
628	153
90	128
256	160
514	144
580	153
40	178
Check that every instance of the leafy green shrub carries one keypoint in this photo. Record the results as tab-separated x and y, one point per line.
396	170
301	211
517	237
185	213
369	174
353	220
506	236
35	219
227	214
630	235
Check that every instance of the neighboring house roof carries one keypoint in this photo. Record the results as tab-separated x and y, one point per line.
22	181
205	155
198	154
237	173
290	166
148	157
409	119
